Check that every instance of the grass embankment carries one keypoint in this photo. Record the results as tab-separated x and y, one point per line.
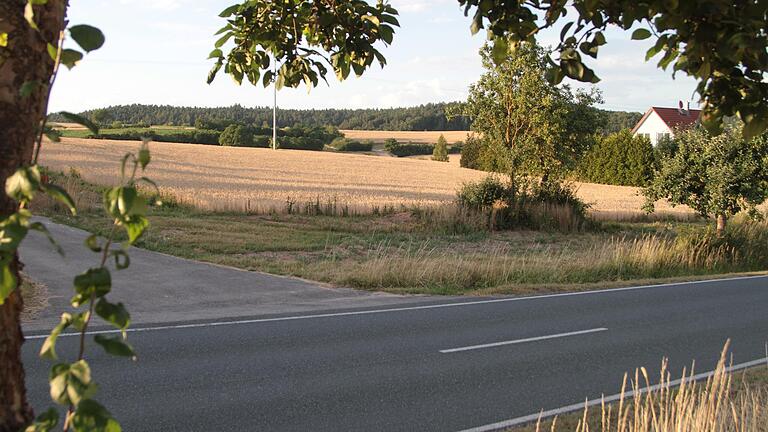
434	252
725	402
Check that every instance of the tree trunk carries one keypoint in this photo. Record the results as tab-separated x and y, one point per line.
24	59
721	222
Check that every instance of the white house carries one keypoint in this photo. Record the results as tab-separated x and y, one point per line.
658	123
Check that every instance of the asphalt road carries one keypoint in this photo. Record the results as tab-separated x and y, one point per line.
383	370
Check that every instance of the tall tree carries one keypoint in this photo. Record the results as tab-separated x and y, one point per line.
527	124
24	63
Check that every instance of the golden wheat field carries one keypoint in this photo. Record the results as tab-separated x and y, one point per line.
230	178
412	136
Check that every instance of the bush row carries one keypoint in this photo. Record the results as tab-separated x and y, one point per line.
195	136
350	145
619	159
407	149
297	138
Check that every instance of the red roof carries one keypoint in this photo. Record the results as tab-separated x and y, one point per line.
672	117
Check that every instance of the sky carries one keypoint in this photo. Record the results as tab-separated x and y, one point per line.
156	50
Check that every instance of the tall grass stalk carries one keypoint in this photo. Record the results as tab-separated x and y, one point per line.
683	405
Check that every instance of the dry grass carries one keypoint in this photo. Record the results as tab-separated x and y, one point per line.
718	404
508	268
412	136
261	180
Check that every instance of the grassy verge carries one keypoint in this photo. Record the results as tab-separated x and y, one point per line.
433	252
726	402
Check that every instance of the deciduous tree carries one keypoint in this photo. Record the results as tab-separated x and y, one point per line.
527	124
717	176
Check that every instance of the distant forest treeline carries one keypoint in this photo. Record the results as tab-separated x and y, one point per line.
427	117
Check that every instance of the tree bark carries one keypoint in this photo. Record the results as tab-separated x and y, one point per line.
721	222
24	59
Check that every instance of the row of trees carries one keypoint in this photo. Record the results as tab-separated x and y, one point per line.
423	117
419	118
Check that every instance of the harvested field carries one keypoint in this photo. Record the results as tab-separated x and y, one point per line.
412	136
254	179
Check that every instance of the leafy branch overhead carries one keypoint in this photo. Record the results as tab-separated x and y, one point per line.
307	38
720	43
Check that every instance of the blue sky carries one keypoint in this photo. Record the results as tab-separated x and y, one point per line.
156	52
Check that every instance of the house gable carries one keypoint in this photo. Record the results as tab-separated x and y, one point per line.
659	122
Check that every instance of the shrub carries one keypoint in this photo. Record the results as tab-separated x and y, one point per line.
346	144
483	194
440	150
408	149
525	203
237	136
456	147
470	153
619	159
300	143
262	141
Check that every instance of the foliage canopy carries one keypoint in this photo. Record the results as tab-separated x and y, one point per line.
717	175
619	159
527	124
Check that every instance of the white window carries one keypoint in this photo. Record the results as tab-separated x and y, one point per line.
661	136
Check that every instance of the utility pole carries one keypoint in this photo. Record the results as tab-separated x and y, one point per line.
274	105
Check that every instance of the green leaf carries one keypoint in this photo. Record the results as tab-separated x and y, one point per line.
500	50
229	11
641	34
79	385
115	314
122	259
88	37
48	350
81	121
214	71
754	126
92	243
57	382
70	58
29	14
90	416
222	40
216	54
115	346
135	227
23	184
45	422
52	134
59	194
52	51
96	282
144	156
